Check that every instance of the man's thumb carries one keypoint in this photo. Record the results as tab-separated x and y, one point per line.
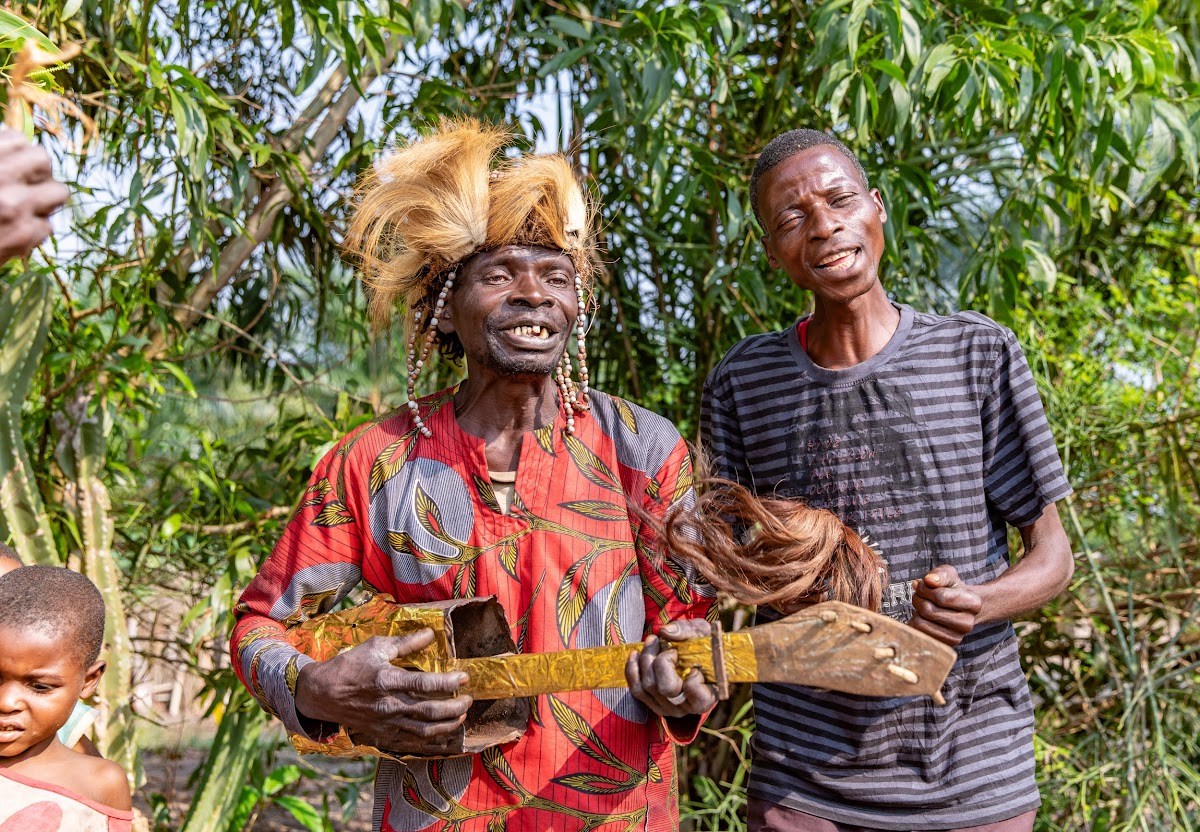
942	575
393	647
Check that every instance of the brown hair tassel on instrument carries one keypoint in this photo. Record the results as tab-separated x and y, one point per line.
772	552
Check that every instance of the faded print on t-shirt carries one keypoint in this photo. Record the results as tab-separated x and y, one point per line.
864	453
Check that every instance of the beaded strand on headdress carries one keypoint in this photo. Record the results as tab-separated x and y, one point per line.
581	402
565	393
414	368
574	398
566	390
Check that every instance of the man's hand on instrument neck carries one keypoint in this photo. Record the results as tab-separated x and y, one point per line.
378	702
654	681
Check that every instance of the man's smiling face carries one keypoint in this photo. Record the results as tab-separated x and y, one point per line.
824	227
513	309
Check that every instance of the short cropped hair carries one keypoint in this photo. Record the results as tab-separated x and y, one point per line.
56	601
9	553
785	146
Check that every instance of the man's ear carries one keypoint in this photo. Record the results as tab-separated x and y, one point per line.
877	198
91	678
766	244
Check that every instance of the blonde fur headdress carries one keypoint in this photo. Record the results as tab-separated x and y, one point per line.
432	204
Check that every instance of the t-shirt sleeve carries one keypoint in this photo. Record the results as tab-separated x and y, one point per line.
720	432
77	725
315	564
1022	472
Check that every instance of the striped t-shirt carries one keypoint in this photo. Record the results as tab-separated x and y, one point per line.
929	448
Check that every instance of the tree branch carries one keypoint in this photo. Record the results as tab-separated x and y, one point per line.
272	513
277	195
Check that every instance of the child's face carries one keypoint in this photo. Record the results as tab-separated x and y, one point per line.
7	565
40	683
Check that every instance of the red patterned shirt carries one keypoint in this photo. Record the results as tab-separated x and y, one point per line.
571	564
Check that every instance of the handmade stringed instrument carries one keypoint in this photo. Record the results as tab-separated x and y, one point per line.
831	645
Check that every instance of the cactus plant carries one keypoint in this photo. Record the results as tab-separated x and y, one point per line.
24	322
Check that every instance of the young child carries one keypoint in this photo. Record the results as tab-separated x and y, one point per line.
74	733
51	630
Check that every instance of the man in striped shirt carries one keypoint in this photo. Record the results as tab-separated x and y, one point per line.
927	434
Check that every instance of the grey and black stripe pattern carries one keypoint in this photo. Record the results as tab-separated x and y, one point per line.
930	448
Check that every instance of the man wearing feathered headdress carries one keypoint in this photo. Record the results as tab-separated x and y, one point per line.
520	482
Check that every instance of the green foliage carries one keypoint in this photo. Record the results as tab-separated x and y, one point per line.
1011	143
1038	162
708	801
1120	716
218	804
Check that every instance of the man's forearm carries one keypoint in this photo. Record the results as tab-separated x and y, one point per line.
309	704
1042	573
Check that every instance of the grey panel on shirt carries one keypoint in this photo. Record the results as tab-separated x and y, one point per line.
929	448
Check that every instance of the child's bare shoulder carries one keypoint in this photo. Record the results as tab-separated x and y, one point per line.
101	780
